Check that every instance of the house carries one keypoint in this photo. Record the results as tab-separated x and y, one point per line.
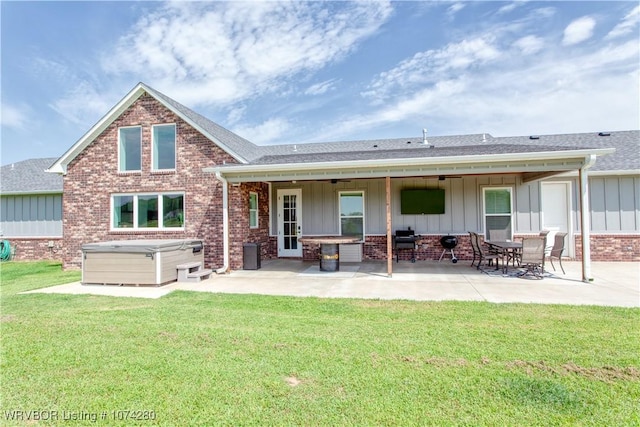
31	209
152	168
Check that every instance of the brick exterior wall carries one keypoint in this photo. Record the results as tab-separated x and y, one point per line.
239	230
37	248
93	176
611	247
614	248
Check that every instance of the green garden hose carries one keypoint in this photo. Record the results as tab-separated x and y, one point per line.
5	250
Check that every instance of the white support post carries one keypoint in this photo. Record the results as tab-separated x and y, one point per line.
585	225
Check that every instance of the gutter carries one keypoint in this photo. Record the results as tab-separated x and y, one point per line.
225	224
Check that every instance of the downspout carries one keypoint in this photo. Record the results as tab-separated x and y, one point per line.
584	218
225	224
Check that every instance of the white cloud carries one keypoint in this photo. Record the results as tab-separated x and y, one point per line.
236	114
432	66
578	31
267	132
222	52
478	85
12	116
321	88
626	26
455	8
529	45
82	104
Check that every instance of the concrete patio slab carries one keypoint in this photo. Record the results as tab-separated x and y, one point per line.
614	284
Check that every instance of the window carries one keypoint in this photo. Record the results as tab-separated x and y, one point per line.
129	140
352	214
253	210
143	211
164	147
497	211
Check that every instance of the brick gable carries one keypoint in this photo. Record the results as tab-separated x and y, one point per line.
93	176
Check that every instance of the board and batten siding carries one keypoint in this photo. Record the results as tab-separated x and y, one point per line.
615	204
462	204
31	215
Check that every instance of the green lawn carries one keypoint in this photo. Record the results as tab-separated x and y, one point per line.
207	359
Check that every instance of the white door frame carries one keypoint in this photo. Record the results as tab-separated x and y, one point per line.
295	249
570	248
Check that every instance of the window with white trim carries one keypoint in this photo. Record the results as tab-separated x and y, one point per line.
129	151
147	211
253	210
352	214
498	210
163	153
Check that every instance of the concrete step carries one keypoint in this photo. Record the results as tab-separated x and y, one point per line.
199	275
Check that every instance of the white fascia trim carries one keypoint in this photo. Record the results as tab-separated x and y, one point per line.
201	130
60	166
470	159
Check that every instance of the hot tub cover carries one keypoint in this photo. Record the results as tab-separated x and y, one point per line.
142	246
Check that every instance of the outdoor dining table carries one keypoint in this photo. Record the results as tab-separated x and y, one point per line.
506	248
329	249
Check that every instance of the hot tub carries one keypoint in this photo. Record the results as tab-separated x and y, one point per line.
138	262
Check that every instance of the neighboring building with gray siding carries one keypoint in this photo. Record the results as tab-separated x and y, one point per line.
31	208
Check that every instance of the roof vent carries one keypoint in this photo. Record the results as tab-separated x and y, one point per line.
408	142
604	134
534	137
424	137
295	148
375	145
484	137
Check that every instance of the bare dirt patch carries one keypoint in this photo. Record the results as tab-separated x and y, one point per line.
606	374
292	381
6	318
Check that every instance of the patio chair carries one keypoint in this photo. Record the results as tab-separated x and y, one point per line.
546	234
482	254
532	258
498	235
557	249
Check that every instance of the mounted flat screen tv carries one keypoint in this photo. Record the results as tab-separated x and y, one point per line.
423	201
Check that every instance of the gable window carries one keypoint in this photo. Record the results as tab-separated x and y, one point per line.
147	211
352	214
129	153
498	212
253	210
164	147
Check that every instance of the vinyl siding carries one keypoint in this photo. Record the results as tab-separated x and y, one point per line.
615	204
31	215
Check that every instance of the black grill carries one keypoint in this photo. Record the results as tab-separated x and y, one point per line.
405	240
449	242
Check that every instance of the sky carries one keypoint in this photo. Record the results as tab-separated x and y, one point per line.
297	72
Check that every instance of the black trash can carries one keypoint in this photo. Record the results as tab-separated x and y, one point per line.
251	256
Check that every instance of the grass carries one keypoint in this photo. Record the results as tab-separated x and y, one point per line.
209	359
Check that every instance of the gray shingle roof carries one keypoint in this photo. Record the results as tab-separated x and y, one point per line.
234	142
29	177
626	143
